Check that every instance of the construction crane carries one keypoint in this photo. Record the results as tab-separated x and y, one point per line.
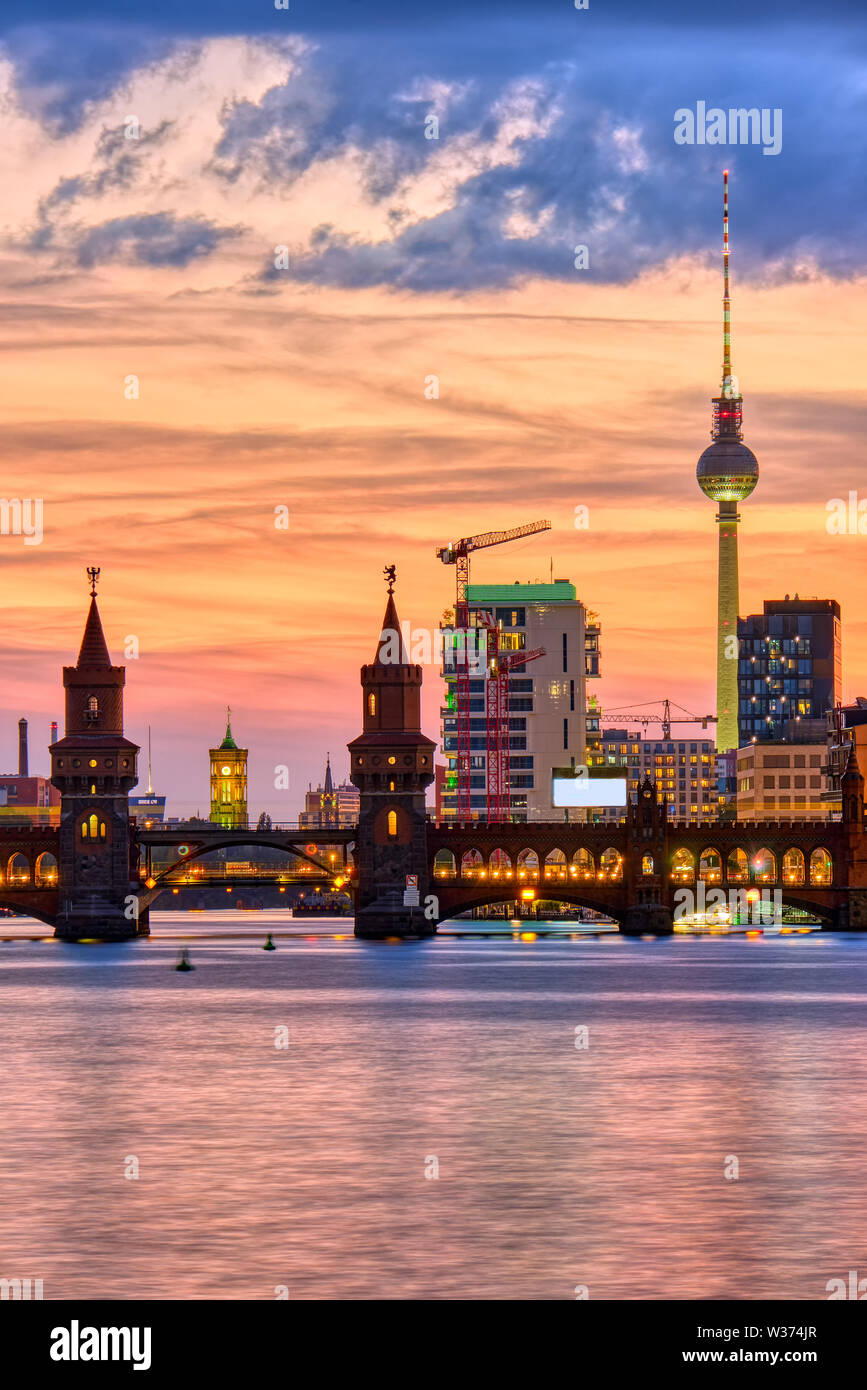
639	715
458	553
498	781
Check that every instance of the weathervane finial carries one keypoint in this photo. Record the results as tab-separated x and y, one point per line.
93	575
390	573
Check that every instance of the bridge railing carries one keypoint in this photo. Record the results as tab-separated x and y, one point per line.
197	828
193	871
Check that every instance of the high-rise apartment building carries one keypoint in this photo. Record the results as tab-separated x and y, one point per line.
789	665
684	771
547	696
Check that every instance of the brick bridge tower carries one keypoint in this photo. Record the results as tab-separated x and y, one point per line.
853	915
646	865
94	767
391	763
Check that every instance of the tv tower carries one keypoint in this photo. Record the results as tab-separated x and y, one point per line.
727	472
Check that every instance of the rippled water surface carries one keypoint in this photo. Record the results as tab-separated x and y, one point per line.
558	1166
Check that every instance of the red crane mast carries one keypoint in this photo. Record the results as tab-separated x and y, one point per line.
457	553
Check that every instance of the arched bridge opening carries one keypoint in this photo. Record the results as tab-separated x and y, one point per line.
325	862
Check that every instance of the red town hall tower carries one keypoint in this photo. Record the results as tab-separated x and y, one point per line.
392	762
94	767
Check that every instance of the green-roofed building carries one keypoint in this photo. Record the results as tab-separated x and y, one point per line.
548	714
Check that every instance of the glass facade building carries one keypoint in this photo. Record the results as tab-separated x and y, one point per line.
789	666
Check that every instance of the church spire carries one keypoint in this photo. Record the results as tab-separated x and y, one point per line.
329	781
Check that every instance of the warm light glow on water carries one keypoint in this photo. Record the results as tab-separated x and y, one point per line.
558	1165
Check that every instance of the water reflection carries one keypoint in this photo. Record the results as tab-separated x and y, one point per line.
557	1165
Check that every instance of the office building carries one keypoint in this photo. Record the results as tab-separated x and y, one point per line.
789	665
783	780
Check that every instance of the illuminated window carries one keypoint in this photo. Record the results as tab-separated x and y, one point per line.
93	705
371	704
392	823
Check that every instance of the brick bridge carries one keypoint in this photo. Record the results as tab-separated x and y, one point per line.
818	867
96	874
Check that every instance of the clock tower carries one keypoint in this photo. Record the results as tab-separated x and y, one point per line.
229	781
392	762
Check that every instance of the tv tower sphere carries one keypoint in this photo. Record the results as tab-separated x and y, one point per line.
727	471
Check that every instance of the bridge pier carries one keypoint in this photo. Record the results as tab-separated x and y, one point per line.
386	916
851	915
647	919
89	915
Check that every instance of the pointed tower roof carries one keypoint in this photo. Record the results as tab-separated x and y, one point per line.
94	651
228	741
329	782
391	648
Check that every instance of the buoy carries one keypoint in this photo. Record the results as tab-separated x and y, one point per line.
269	944
184	961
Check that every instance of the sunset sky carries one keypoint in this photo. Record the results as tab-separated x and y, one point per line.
155	257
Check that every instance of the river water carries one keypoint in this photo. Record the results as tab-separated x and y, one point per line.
303	1167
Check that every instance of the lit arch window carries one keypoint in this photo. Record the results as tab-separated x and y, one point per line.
93	828
93	705
371	704
392	824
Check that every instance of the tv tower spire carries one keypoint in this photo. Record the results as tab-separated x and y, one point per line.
727	302
727	472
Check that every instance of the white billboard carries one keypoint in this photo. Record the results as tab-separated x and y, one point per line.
589	791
